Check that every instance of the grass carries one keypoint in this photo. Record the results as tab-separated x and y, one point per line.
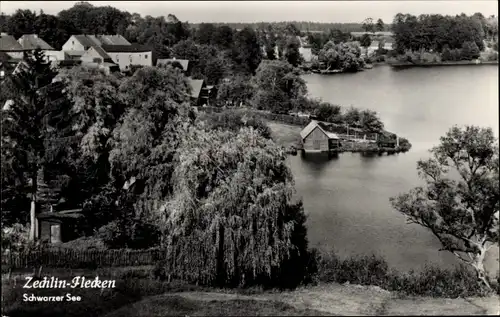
174	305
284	134
132	285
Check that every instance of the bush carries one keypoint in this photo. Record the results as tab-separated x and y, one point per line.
84	243
373	270
233	120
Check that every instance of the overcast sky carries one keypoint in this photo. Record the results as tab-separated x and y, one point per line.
255	11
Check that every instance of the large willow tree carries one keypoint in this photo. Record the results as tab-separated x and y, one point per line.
231	220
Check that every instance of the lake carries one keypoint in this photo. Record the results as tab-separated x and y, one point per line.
347	198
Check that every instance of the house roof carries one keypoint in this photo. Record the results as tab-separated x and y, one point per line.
196	85
102	53
32	41
184	62
113	40
9	43
313	125
132	48
65	214
87	40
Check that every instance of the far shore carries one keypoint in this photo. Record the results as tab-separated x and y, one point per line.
457	63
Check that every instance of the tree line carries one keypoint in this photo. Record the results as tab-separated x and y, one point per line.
435	32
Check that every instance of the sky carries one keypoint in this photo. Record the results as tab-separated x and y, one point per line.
269	11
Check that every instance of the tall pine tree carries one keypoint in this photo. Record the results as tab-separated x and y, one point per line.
30	125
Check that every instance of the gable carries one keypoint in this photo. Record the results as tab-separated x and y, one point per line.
317	132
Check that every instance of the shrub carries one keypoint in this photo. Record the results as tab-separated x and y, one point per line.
231	120
373	270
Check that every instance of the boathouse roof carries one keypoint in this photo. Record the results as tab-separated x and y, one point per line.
313	125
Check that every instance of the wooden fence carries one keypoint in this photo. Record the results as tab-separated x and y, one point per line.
71	258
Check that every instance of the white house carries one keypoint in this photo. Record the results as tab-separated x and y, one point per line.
80	43
33	41
127	55
83	42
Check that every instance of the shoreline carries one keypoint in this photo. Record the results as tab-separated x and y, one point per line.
458	63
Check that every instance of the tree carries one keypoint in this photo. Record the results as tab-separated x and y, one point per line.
143	145
460	202
380	26
235	90
344	56
186	49
365	42
368	25
246	52
370	122
205	33
223	37
292	53
222	227
446	54
352	116
278	86
470	51
28	125
95	20
21	22
328	112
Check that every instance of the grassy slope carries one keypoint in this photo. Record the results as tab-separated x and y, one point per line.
285	134
331	299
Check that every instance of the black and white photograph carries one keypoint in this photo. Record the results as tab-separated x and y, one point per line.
249	158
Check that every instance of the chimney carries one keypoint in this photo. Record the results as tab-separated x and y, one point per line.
35	35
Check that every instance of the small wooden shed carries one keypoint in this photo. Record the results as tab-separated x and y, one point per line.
57	227
316	139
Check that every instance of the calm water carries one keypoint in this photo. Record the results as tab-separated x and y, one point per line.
347	198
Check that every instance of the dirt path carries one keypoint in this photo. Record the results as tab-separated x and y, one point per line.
362	300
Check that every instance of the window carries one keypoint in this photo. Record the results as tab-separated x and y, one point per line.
72	42
117	59
146	56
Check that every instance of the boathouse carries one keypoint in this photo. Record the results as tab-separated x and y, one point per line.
316	139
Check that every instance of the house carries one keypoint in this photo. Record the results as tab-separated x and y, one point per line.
58	227
196	87
11	47
33	41
128	55
183	62
95	54
316	139
80	43
73	55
